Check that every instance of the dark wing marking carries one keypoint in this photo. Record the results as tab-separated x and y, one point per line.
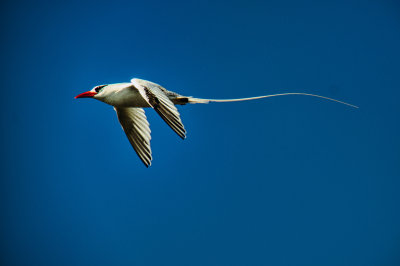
137	129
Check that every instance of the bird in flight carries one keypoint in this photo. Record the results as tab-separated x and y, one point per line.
129	99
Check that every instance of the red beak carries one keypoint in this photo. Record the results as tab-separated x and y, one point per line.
88	94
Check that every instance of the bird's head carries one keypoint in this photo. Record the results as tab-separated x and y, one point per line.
93	93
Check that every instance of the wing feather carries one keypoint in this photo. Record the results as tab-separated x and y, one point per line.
137	129
158	99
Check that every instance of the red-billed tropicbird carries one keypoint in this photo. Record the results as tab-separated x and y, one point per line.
129	99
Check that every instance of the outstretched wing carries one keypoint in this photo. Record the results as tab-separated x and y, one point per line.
137	129
158	99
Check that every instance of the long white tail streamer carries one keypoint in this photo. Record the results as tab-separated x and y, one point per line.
199	100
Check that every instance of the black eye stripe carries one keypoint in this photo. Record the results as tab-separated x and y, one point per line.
98	88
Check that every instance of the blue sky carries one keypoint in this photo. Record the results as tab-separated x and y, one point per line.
283	181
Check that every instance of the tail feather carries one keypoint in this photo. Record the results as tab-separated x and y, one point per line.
199	100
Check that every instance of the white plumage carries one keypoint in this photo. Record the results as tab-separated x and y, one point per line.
129	99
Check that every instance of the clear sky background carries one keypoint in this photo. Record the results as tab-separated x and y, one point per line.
291	180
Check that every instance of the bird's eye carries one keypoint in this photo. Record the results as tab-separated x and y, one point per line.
98	88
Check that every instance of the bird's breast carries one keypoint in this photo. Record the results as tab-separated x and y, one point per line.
126	98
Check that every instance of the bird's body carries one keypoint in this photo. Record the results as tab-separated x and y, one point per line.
129	99
129	94
119	95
